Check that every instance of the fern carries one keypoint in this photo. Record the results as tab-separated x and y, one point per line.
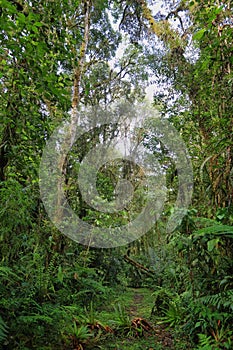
7	274
202	222
45	276
3	330
205	342
218	230
219	300
29	319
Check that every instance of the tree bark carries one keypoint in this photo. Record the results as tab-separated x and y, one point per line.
138	266
70	136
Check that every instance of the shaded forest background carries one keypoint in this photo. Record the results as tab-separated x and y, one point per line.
57	58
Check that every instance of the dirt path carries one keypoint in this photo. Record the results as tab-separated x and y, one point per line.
140	308
139	302
136	304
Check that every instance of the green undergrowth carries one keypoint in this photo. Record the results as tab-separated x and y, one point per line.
125	306
126	298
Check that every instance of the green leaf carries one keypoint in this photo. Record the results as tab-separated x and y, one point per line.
60	274
6	4
198	35
217	230
212	244
38	24
35	29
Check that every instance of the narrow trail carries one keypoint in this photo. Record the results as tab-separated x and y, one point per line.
141	308
136	304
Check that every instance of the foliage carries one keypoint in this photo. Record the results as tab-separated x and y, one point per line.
162	299
78	336
122	318
3	330
47	280
173	314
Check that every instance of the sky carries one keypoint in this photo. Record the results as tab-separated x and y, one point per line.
157	6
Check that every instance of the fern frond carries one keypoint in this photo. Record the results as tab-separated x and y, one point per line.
219	300
30	319
202	222
217	230
205	342
3	330
7	274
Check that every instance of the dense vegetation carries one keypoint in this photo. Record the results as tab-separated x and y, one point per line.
58	61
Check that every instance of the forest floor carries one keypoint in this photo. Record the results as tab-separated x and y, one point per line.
136	305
